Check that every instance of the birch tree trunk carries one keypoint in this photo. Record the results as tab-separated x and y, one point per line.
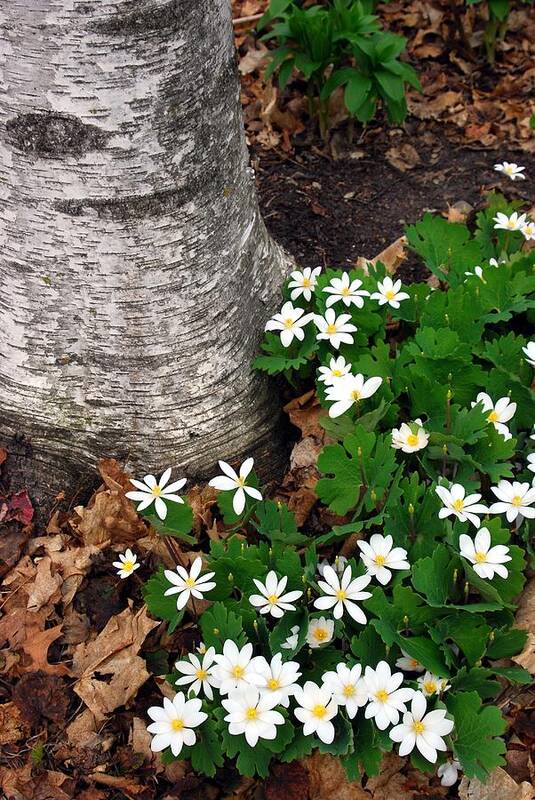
135	270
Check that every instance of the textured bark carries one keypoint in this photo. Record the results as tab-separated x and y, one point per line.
136	272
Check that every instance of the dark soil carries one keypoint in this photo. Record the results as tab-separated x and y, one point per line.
330	211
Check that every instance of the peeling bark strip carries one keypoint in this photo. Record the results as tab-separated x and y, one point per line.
136	272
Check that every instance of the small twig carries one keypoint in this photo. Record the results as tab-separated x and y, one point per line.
250	18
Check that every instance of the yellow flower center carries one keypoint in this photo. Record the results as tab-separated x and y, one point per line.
190	583
306	282
380	560
381	695
355	395
288	323
341	595
511	224
414	663
251	713
412	439
493	417
430	687
201	674
273	599
273	683
177	724
345	292
331	328
349	691
336	373
319	711
458	505
508	170
128	566
156	491
237	672
390	294
480	557
321	634
418	727
516	501
241	481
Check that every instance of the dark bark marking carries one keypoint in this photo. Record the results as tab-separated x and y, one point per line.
144	20
51	134
139	206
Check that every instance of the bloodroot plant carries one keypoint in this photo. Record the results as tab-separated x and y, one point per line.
391	629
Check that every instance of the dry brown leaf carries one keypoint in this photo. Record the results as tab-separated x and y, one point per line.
109	517
46	586
13	727
108	669
82	732
403	157
499	785
458	212
525	618
328	780
253	59
392	256
128	786
423	108
36	647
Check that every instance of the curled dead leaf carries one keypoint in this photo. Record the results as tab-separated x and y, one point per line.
108	669
499	784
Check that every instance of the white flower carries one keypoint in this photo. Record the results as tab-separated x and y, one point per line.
316	708
201	648
339	565
320	631
251	713
499	413
408	663
290	322
531	462
494	263
174	723
515	500
529	351
349	390
379	557
271	599
153	491
487	560
338	367
340	594
512	223
303	283
431	684
348	293
448	772
275	678
512	170
385	696
478	272
127	564
198	673
425	731
528	231
337	330
233	668
187	584
348	688
410	437
291	641
388	292
232	482
464	508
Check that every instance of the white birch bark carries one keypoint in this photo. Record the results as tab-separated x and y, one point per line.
135	271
